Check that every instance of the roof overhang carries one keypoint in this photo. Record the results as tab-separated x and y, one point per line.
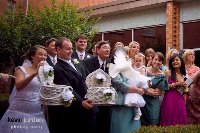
123	6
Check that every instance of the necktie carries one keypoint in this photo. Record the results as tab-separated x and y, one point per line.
54	61
102	67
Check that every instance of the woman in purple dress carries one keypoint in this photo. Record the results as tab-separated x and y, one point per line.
173	110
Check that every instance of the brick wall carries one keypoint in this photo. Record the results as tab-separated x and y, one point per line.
3	5
81	3
173	25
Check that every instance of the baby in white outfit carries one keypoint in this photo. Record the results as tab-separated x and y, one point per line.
134	99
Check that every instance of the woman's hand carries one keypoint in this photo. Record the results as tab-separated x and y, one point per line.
41	63
149	62
140	91
181	83
153	92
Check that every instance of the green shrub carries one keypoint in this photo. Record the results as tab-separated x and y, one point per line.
18	31
170	129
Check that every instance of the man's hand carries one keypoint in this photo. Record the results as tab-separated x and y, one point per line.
87	104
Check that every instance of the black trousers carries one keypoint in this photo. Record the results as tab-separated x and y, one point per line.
103	119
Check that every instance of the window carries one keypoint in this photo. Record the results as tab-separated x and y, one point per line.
191	36
149	32
10	5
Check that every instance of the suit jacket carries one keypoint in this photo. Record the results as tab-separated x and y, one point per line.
62	119
92	64
65	74
48	60
75	55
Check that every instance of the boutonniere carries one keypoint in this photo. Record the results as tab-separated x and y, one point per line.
75	61
88	56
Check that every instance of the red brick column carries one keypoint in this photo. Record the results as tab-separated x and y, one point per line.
173	25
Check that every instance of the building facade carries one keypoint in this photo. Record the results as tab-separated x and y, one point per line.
160	24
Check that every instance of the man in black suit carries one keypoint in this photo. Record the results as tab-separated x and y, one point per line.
71	73
51	60
81	45
51	51
92	64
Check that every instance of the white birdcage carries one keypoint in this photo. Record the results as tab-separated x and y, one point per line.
52	94
99	88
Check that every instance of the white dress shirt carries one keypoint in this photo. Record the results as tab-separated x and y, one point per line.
53	59
81	55
101	62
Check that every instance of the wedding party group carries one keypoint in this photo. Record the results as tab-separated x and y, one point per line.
146	88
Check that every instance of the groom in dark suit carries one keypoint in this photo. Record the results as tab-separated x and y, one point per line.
71	73
92	64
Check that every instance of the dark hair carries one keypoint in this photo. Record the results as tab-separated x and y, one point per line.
33	50
160	56
182	67
60	41
80	37
49	41
100	43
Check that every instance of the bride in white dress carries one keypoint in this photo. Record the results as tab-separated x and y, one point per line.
24	114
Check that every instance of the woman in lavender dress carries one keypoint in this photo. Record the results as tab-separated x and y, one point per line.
173	110
24	114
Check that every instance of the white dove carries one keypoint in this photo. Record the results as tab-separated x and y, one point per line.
124	66
46	74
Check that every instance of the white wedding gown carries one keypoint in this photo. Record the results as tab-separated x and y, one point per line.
24	114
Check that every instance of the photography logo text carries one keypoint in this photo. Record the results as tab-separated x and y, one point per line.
24	122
